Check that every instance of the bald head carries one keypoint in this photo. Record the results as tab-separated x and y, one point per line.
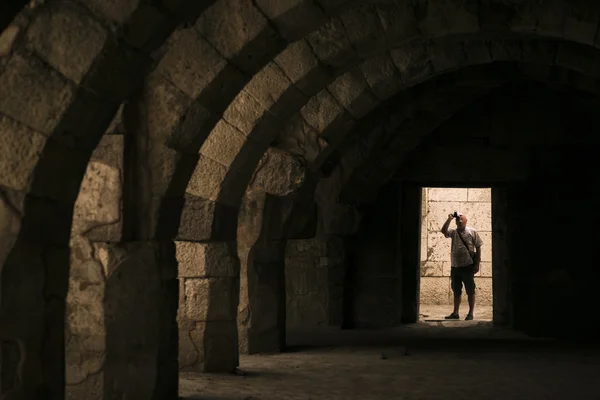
461	222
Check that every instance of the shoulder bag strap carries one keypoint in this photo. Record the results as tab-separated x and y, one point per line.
464	243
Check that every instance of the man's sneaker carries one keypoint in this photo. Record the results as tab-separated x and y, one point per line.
469	317
452	316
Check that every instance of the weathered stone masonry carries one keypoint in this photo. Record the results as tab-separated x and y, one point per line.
361	90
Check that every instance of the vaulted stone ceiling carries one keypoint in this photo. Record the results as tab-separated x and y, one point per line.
325	95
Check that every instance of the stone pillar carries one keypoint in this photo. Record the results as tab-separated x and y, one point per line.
209	296
32	316
261	249
264	221
121	339
121	331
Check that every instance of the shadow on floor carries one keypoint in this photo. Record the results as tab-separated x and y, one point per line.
476	361
481	336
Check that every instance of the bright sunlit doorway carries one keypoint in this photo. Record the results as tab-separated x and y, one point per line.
436	297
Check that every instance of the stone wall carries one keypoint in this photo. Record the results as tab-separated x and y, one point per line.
435	248
314	275
209	288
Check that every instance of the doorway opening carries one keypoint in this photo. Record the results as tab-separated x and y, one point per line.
435	295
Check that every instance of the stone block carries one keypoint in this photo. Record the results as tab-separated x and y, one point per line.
447	194
429	268
163	161
211	299
381	75
67	40
486	248
398	20
223	144
321	110
194	66
165	106
298	137
331	44
334	135
271	86
244	112
485	269
108	326
85	351
206	260
482	195
207	178
353	93
413	63
279	173
479	215
438	247
99	202
484	291
193	215
36	95
435	290
444	17
247	41
302	67
20	150
293	19
364	30
110	151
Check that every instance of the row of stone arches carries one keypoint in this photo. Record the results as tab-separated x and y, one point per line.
205	91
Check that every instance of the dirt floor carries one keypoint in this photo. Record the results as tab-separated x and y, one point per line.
428	360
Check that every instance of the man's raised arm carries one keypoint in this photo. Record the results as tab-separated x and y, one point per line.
444	229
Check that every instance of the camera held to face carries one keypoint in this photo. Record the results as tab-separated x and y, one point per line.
455	215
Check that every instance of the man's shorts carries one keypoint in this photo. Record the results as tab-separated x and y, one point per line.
460	276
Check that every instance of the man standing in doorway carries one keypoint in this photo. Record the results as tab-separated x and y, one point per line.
465	257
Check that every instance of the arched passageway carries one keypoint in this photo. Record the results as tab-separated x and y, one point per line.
158	161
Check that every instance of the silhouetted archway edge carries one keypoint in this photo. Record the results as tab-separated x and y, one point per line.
72	101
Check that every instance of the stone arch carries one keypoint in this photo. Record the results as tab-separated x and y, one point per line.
353	167
214	185
375	147
368	176
65	69
334	45
217	180
73	91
